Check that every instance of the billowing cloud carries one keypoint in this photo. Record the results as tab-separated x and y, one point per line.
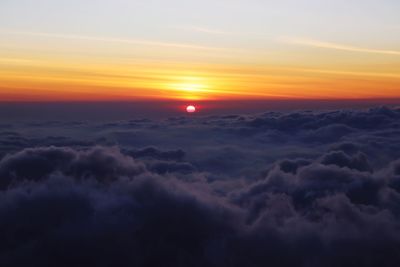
273	189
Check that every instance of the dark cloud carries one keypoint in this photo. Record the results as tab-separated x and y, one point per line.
144	221
38	163
358	162
291	166
154	153
328	134
273	189
161	167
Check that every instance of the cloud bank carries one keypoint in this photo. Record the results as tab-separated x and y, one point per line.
275	189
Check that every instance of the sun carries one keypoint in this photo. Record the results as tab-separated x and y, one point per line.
190	109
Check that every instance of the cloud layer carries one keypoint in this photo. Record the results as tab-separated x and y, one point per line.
275	189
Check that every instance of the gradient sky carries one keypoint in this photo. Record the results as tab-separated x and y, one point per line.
198	50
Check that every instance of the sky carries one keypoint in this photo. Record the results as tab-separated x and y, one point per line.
198	50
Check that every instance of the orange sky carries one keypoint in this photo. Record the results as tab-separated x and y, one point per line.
194	63
38	77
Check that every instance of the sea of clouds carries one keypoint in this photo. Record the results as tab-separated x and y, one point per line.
304	188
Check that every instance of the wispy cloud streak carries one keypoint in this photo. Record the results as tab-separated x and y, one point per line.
336	46
204	30
113	40
350	73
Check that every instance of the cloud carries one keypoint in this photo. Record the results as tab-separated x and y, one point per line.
336	46
358	162
152	152
38	163
113	40
204	30
304	188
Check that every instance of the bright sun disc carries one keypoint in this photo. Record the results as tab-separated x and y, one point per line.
190	109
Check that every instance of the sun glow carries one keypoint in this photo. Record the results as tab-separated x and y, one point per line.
193	88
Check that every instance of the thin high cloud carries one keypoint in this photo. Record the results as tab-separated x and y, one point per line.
336	46
214	31
18	61
112	40
347	73
204	30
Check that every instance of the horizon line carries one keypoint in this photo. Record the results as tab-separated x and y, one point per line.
208	100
